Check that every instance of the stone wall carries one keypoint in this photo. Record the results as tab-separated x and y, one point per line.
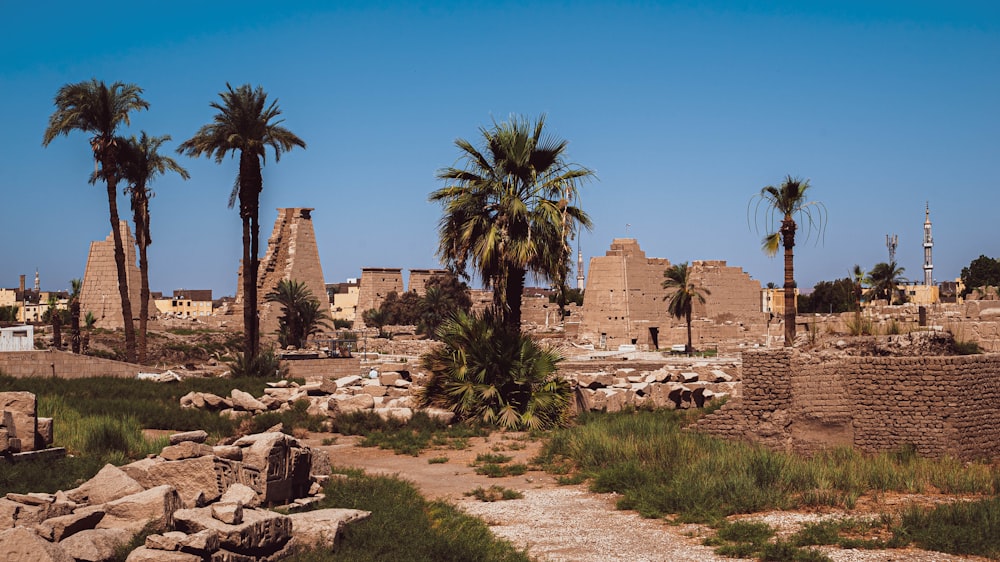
792	401
99	294
66	365
375	284
419	278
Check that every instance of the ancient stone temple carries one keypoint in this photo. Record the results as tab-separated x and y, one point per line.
99	294
291	254
376	283
624	302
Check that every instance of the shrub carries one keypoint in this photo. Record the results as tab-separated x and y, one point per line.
265	365
959	528
489	372
494	493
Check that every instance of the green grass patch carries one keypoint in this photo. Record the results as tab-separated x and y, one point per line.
437	460
494	493
406	438
959	528
489	458
493	470
405	527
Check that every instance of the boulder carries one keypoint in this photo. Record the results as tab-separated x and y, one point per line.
246	401
45	432
23	545
204	543
57	528
133	512
198	436
230	452
95	545
189	477
321	465
320	529
347	404
389	378
242	494
185	450
594	380
374	390
440	414
347	381
215	402
401	414
144	554
228	512
193	400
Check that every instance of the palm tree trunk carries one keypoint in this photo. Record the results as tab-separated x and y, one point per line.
690	347
120	263
788	239
141	230
513	291
74	315
251	183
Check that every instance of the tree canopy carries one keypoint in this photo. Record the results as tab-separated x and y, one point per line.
982	272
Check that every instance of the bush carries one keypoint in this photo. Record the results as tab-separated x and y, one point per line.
959	528
489	372
265	365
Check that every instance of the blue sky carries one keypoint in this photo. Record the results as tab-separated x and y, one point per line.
683	109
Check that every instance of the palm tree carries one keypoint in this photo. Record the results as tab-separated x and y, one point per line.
76	285
787	202
96	108
302	316
245	123
883	280
858	279
683	293
510	209
140	163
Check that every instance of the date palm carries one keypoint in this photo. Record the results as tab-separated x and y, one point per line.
99	109
883	280
248	125
510	209
302	315
683	294
141	162
780	207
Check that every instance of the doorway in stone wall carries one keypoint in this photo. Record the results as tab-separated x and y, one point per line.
654	338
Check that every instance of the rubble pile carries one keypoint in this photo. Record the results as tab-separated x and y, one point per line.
669	387
207	503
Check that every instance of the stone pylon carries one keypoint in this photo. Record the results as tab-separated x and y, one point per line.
99	294
292	254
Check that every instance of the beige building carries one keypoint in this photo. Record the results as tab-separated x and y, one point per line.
187	303
773	300
343	300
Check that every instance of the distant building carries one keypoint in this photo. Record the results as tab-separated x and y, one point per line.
186	303
343	300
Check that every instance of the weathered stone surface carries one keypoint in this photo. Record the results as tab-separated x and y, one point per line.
231	452
594	380
389	378
347	381
23	545
143	554
95	545
189	477
45	432
133	512
215	402
246	401
32	498
22	418
321	465
185	450
193	400
260	529
343	404
170	541
373	389
401	414
58	528
198	436
229	512
440	414
245	495
321	528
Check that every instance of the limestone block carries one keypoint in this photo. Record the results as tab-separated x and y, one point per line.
198	436
95	545
45	433
594	380
402	383
134	511
229	452
659	375
19	514
597	400
375	390
401	402
185	450
440	414
389	378
343	404
246	401
144	554
23	545
193	400
347	381
243	494
58	528
321	465
260	530
721	376
689	377
321	528
228	512
401	414
189	477
214	402
21	417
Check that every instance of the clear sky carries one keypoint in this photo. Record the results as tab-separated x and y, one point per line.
683	109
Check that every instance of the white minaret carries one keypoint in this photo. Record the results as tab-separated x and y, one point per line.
928	246
579	269
38	284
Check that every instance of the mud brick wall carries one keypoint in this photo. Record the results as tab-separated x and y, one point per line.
65	365
940	405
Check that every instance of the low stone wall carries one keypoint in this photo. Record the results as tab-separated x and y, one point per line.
66	365
316	369
792	401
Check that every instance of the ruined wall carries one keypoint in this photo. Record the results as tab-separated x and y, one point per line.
624	302
292	254
940	405
419	278
99	294
65	365
375	284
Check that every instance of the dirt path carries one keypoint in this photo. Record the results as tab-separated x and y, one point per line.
564	523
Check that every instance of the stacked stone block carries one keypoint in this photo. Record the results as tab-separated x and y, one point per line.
99	294
63	364
938	405
21	430
419	278
375	284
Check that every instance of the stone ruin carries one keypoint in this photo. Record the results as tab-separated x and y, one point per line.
204	502
99	294
292	254
22	431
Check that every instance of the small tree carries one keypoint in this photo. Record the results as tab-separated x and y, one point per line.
883	280
76	285
56	320
302	315
683	294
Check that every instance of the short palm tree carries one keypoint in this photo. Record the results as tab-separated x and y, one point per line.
784	203
883	280
141	162
247	124
488	372
96	108
684	292
301	312
510	209
76	285
858	279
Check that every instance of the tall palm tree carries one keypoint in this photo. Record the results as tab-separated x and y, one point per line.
883	280
683	294
140	163
76	285
785	203
245	123
510	209
96	108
